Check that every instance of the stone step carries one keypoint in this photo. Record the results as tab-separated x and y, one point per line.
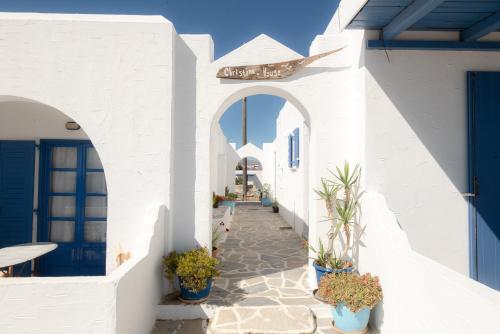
263	320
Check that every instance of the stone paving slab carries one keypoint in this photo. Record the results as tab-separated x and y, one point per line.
197	326
263	320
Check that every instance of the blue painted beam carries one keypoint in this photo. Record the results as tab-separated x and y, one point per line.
408	17
484	27
433	45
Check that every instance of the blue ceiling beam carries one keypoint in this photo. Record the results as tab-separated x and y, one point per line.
408	17
481	28
433	45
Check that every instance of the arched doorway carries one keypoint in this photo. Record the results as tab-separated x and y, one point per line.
280	162
52	189
255	179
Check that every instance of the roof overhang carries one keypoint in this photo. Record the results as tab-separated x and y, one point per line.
471	18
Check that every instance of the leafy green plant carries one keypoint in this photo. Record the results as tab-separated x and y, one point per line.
275	204
232	196
354	290
170	264
194	268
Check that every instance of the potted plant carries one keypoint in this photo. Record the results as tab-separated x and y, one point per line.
341	196
216	234
352	298
326	262
276	206
215	201
348	207
195	270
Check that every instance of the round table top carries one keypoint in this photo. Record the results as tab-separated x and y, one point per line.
10	256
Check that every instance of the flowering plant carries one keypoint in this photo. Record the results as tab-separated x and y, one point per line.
355	291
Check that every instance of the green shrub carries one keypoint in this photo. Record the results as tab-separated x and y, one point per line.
170	265
354	290
232	196
195	267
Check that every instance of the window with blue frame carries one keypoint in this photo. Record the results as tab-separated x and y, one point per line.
294	149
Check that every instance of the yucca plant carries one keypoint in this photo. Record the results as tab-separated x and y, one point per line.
328	193
343	212
348	207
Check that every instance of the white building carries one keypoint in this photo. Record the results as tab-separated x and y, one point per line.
149	102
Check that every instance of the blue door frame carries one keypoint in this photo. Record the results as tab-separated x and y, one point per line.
79	256
483	179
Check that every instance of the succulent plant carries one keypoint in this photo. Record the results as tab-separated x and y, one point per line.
355	291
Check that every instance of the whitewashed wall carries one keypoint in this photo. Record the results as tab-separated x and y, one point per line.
69	62
420	295
292	184
224	160
113	75
416	143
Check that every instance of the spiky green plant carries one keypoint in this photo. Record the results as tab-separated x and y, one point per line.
348	207
328	194
322	256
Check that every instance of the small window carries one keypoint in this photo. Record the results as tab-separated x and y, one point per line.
293	149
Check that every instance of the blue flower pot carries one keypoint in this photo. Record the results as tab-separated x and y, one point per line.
320	271
189	295
348	321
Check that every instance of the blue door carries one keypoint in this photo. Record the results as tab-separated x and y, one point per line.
17	163
484	176
73	208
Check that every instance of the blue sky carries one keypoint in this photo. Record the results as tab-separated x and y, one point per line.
231	23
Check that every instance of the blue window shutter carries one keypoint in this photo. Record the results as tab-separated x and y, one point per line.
296	145
290	151
17	166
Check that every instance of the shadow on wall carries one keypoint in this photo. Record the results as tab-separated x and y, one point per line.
184	148
139	291
297	223
416	145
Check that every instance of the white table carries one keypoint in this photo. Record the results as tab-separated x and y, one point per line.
13	255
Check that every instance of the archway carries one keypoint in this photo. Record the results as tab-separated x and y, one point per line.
57	189
255	175
294	206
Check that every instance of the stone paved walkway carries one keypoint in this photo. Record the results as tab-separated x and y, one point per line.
264	269
263	284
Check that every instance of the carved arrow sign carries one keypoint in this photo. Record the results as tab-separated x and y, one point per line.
269	71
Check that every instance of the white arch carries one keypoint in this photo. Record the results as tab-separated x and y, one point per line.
250	150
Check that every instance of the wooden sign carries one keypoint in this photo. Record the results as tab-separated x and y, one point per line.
269	71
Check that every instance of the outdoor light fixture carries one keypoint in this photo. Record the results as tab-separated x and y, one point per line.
72	126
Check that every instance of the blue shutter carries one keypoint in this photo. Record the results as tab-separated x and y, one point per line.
17	164
296	145
290	151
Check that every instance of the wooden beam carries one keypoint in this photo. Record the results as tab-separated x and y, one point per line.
243	143
481	28
408	17
432	45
